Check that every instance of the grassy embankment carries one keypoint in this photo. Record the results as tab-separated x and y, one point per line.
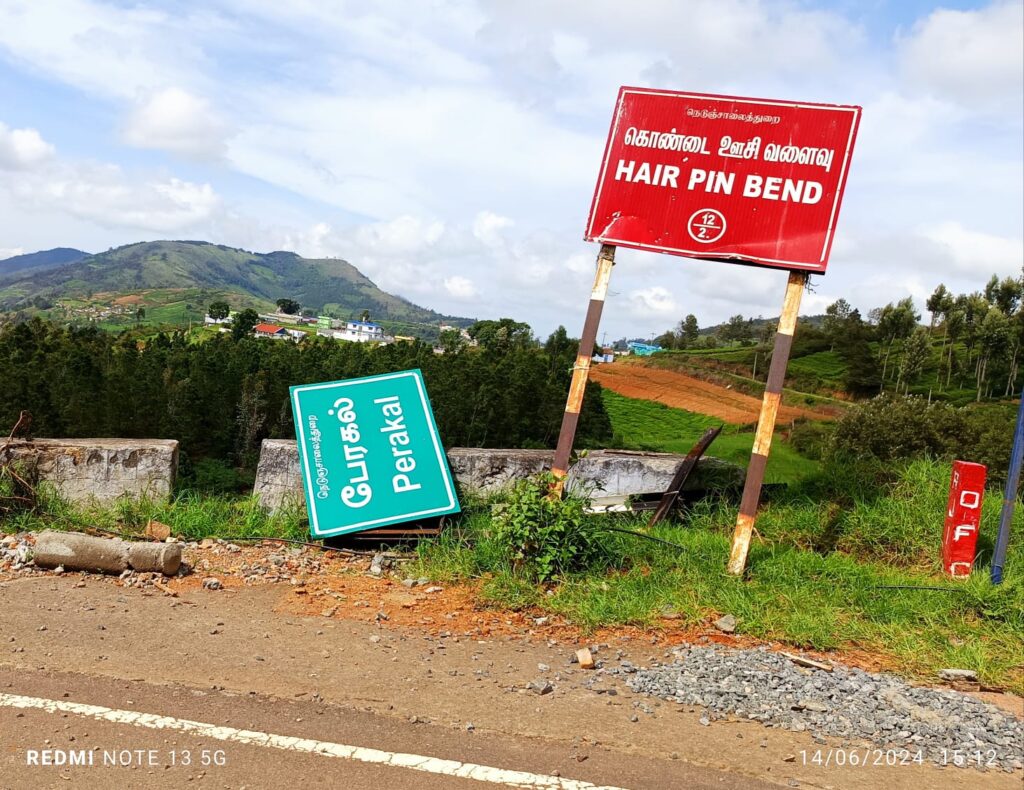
647	425
824	372
845	561
838	563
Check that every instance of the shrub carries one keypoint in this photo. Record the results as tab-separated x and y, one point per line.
544	537
890	428
811	439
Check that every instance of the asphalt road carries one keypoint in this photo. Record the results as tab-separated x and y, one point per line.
224	689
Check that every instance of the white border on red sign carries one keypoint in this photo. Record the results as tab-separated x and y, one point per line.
725	255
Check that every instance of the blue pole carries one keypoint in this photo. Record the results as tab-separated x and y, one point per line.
1009	497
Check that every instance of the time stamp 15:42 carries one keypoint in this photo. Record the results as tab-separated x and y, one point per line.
868	757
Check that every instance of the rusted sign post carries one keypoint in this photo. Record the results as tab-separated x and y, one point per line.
726	178
581	370
766	423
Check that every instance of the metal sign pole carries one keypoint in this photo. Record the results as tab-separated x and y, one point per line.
766	423
581	370
1009	497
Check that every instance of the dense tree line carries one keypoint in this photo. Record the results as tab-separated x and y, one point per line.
973	341
221	397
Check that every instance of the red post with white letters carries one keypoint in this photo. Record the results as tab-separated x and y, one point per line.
963	516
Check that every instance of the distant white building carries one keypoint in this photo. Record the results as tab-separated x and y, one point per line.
357	332
217	321
361	332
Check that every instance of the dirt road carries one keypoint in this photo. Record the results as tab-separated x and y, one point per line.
269	698
686	392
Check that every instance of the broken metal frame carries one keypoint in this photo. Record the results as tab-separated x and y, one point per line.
668	499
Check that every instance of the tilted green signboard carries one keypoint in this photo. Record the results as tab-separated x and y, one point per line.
370	453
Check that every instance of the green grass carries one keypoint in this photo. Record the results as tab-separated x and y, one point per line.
820	576
647	425
190	515
826	365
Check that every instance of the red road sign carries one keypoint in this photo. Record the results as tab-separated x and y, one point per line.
749	180
963	515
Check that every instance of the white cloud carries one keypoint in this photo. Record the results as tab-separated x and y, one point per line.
100	192
974	253
487	227
460	287
974	57
108	196
112	51
22	149
656	299
174	120
10	252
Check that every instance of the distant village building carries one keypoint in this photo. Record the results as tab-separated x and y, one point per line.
356	332
218	321
361	332
272	331
281	318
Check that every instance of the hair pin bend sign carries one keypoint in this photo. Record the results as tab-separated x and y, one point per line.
755	181
370	453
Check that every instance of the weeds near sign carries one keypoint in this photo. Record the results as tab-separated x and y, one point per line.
545	537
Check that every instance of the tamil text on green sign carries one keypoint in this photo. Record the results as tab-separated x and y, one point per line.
370	453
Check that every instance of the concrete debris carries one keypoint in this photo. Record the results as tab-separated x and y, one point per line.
807	662
162	558
968	675
726	624
585	658
78	552
157	530
542	686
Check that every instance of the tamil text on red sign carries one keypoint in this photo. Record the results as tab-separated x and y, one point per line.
752	180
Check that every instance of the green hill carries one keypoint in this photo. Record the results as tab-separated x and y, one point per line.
213	268
37	261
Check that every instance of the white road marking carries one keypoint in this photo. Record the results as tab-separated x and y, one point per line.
415	762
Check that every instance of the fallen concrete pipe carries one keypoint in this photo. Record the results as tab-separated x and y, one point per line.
77	552
162	558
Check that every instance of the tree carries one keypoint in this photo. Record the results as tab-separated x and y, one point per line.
994	337
836	315
915	354
364	316
140	313
689	331
861	377
288	306
736	328
243	323
938	303
218	310
502	335
666	339
896	322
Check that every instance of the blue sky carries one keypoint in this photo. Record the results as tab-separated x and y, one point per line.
449	149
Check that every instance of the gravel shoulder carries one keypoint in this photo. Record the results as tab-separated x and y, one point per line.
367	649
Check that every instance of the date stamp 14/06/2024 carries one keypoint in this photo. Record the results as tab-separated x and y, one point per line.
874	757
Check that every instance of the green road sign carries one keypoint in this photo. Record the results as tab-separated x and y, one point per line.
370	453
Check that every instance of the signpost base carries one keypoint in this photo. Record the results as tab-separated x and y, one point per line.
581	370
766	423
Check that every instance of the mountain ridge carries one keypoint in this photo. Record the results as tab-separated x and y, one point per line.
331	284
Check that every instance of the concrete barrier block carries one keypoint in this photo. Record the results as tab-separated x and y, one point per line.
100	470
601	472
